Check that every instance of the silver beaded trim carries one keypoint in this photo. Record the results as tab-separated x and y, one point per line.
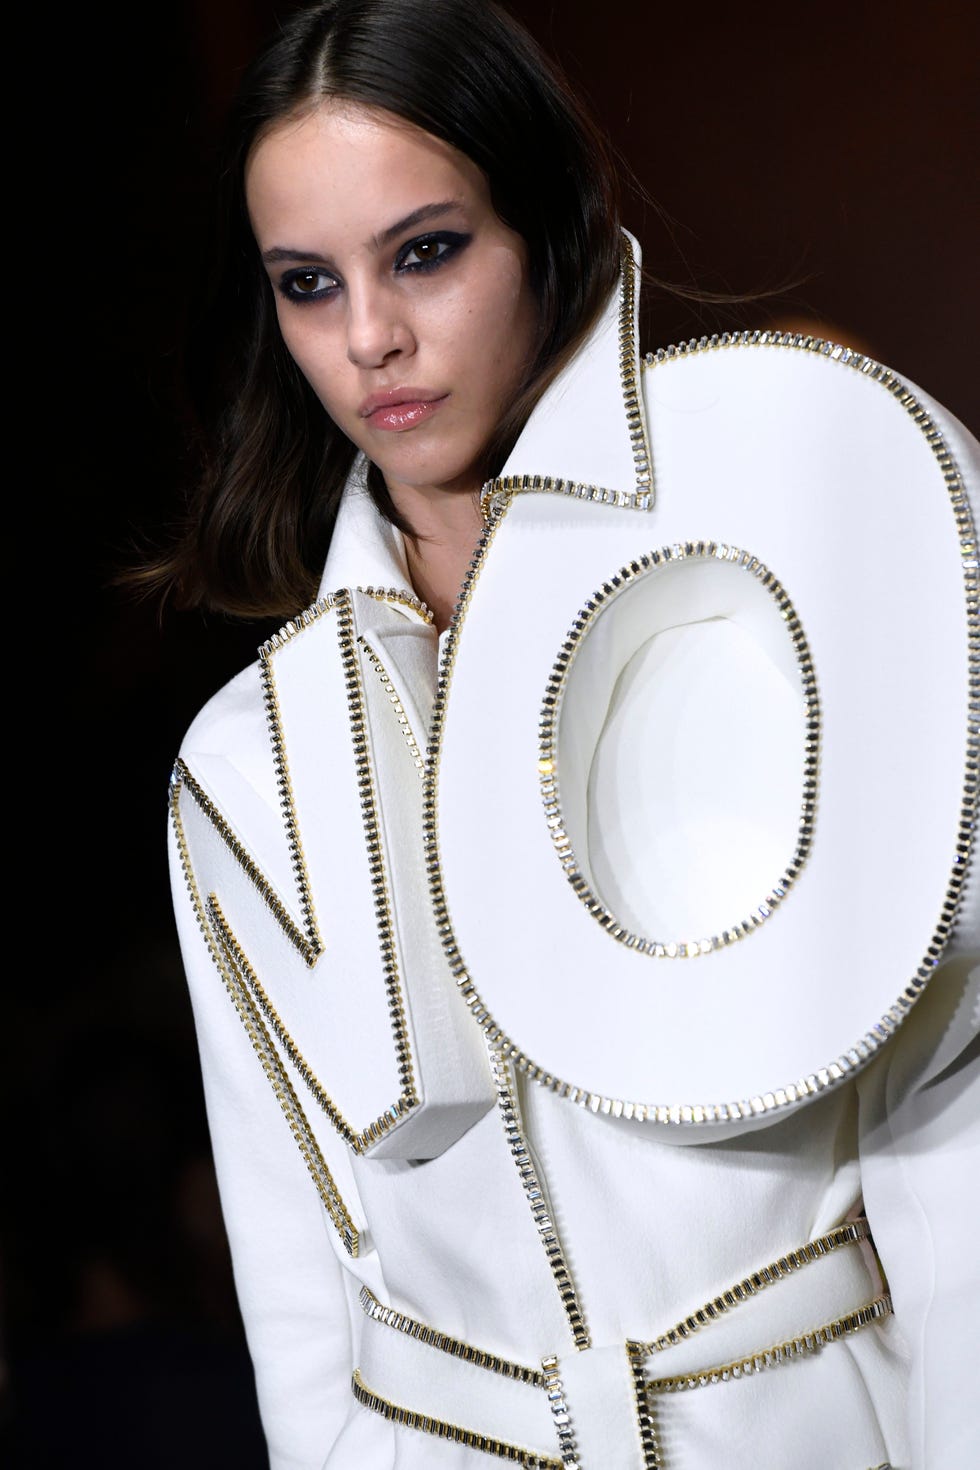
398	708
802	1346
411	1327
549	776
559	1412
496	498
455	1433
217	936
851	1233
544	1224
496	493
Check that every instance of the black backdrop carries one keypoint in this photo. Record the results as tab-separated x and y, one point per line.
831	144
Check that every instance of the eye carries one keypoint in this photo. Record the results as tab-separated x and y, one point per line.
308	283
429	251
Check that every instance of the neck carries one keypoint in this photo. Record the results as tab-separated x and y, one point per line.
447	527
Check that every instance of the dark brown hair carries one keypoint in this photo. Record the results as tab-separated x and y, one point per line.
270	465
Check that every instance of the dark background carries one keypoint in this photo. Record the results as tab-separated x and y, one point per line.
833	145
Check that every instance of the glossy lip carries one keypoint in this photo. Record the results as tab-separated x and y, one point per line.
399	398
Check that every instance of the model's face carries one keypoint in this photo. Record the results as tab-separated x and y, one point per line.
402	297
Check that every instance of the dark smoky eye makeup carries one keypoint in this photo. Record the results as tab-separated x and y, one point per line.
306	283
428	252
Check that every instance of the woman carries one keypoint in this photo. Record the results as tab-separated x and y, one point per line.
605	936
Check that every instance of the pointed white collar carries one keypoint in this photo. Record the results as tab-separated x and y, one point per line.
366	550
601	385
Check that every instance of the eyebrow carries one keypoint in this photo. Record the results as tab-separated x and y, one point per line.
417	217
384	237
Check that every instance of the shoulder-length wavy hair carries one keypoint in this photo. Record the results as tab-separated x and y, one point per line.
270	465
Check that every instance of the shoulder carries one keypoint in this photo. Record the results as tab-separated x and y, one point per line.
225	785
804	406
804	375
228	749
234	717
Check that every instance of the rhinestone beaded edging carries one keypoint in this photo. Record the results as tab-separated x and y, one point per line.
495	501
629	576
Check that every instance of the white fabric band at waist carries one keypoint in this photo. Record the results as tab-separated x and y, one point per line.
414	1373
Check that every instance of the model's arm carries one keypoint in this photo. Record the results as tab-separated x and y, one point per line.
284	1247
920	1156
920	1166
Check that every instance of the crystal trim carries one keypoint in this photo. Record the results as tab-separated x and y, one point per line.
495	500
529	1459
215	932
559	1412
850	1233
378	1312
496	493
399	709
544	1224
549	776
795	1347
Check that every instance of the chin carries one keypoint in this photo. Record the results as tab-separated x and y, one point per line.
449	478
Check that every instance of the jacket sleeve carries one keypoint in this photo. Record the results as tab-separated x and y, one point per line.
920	1168
920	1156
288	1275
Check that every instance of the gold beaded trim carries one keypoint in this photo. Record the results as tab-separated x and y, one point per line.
848	1234
378	1312
379	881
295	625
287	803
559	1412
309	948
805	1345
400	597
281	1085
628	576
796	1347
497	1039
356	1141
521	1154
529	1459
245	974
214	931
311	945
495	500
645	1415
970	562
272	645
496	493
645	1391
757	338
628	353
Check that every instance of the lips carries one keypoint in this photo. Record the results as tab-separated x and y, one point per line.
401	408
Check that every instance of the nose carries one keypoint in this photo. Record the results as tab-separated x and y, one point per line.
377	326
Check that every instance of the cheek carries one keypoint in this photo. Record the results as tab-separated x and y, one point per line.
504	322
491	341
491	293
314	353
506	341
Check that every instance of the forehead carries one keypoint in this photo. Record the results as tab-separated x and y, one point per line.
352	167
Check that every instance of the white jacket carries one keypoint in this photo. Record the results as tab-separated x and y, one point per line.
571	988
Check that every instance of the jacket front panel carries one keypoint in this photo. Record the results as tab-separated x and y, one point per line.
502	1239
